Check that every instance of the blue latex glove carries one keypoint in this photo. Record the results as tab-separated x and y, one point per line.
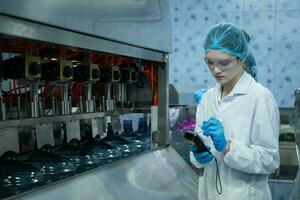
198	94
201	157
214	128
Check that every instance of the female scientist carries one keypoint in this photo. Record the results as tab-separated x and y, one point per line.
238	120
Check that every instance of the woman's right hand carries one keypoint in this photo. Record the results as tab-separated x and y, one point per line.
201	157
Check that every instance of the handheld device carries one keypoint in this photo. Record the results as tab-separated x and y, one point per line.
196	140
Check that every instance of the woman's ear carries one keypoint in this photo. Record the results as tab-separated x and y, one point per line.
240	61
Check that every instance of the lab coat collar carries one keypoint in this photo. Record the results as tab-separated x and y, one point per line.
241	86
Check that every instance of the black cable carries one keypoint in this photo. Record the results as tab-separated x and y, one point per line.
219	190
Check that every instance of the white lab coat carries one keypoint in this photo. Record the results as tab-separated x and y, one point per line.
250	118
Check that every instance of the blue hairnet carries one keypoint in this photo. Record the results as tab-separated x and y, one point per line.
249	65
228	38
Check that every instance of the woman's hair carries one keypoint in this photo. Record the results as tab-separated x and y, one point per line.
228	38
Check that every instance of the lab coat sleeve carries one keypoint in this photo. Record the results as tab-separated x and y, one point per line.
262	155
198	130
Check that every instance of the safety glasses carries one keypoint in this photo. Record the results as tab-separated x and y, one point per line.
222	64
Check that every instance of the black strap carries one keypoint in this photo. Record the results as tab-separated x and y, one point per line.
218	179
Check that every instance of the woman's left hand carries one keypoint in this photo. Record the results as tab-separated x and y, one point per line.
214	128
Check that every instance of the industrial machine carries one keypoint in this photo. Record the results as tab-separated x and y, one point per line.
84	102
295	189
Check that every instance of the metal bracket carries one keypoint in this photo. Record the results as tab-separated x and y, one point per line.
166	58
73	130
44	134
9	140
97	127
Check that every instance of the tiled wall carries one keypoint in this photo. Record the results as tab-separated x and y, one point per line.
273	24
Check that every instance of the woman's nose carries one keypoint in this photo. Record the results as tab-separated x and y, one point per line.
217	70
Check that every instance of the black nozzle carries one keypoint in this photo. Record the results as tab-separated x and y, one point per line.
95	73
68	71
35	68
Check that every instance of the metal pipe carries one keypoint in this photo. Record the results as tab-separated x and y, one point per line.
66	118
34	100
163	102
19	107
53	105
40	103
108	91
70	105
65	92
113	104
102	104
80	104
26	103
89	102
65	103
88	91
94	104
2	105
3	109
120	92
107	104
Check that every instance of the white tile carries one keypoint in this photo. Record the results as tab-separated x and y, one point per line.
288	26
264	56
213	5
260	25
259	5
286	70
287	4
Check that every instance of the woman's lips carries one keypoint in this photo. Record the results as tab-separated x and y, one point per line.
219	77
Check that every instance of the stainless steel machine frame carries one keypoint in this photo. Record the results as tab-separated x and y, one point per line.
295	193
26	29
134	178
143	23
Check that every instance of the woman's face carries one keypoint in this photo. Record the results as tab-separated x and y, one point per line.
223	66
